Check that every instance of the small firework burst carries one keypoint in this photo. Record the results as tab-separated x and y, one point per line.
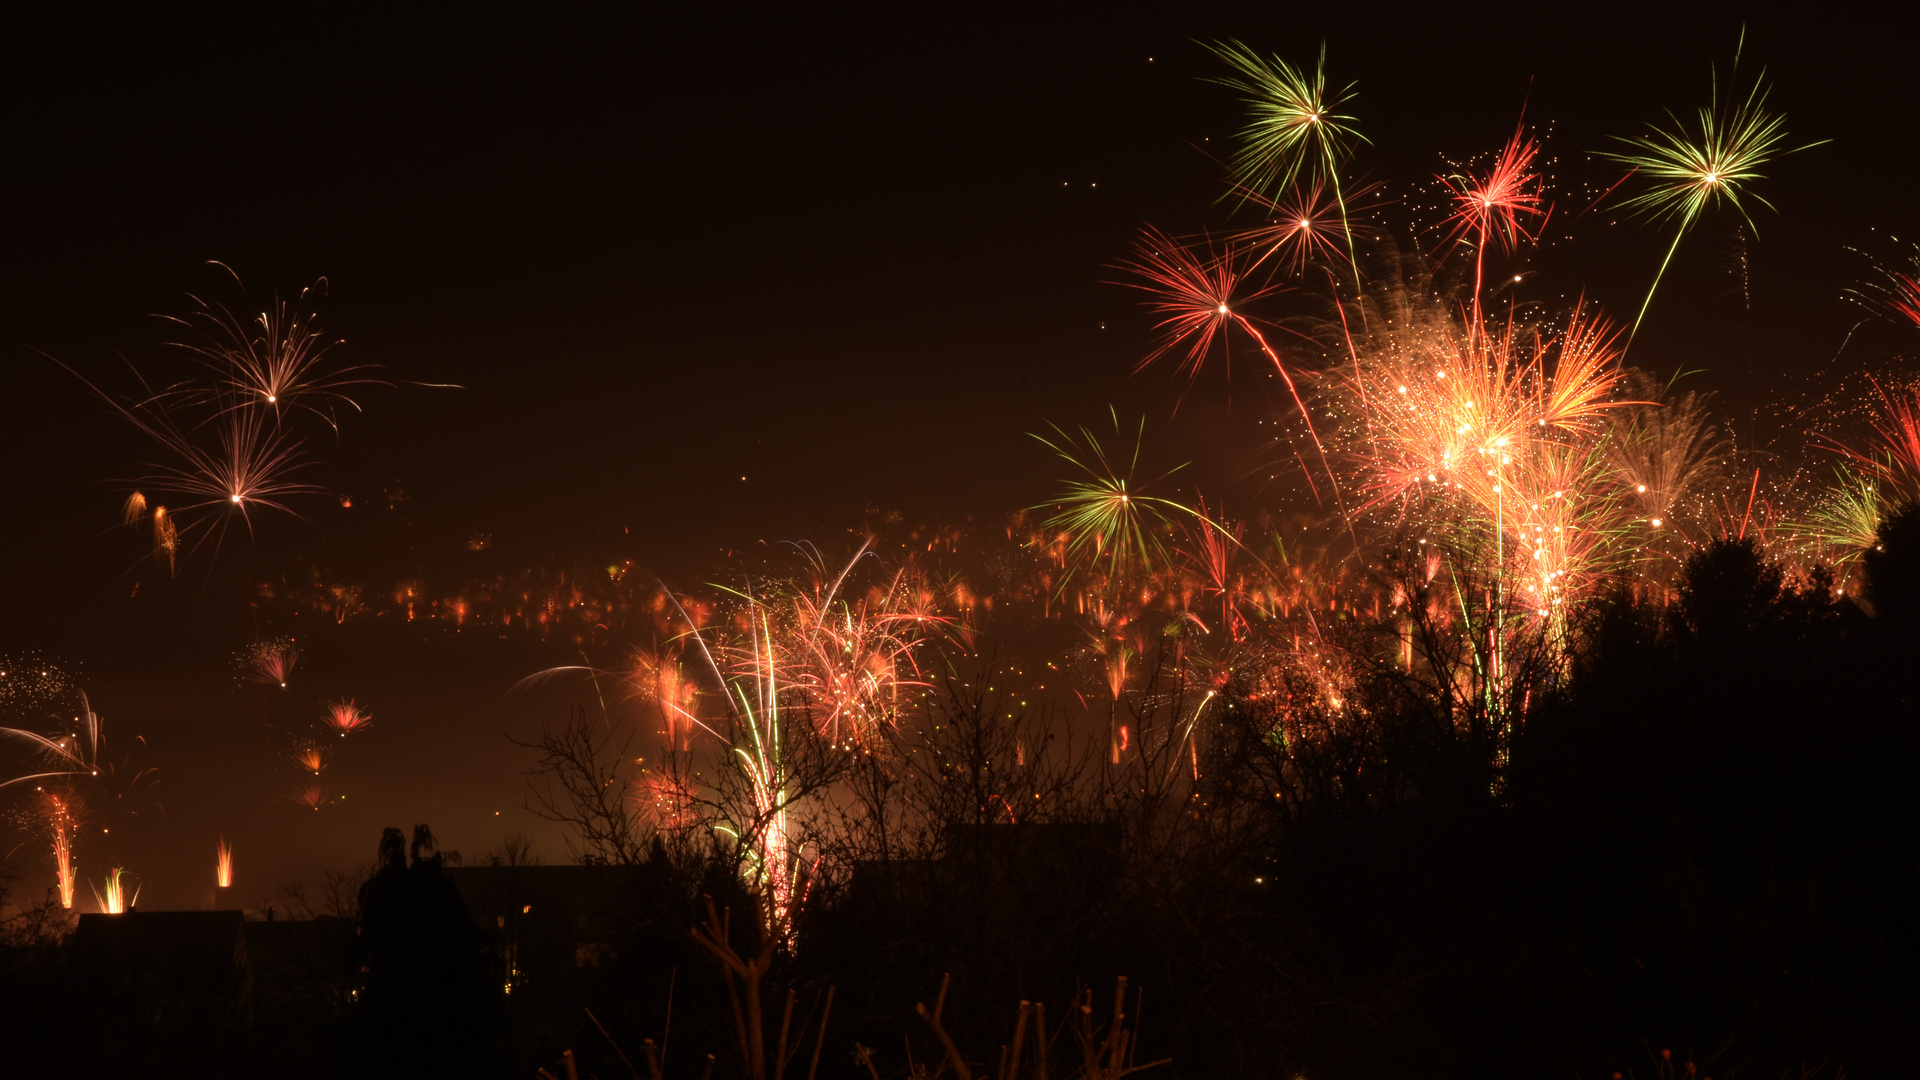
269	662
1495	208
1303	226
223	865
311	758
1113	528
665	798
346	717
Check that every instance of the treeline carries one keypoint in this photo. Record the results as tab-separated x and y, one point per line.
1677	836
1685	836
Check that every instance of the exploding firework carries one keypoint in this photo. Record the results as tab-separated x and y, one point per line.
311	795
1493	208
1294	126
311	758
272	359
223	865
662	680
1113	529
270	662
1199	296
1303	226
1689	170
346	718
666	798
231	431
38	689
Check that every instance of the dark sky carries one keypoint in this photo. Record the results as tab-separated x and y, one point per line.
851	256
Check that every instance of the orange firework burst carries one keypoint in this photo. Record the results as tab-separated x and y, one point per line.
851	658
1196	294
312	758
346	718
660	679
223	865
312	795
273	359
1500	432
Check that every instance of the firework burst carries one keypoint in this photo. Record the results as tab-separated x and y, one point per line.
273	359
270	662
1112	527
1198	296
311	758
1495	208
1303	226
1295	127
346	718
1689	170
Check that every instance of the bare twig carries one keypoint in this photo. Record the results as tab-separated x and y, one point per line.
820	1040
616	1046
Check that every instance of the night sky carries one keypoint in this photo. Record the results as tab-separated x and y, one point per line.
710	279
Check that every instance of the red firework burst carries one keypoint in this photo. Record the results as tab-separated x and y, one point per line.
1491	208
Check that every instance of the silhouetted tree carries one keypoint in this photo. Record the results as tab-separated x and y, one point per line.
427	988
1893	570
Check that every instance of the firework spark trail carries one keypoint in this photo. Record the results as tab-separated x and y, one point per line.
852	660
1214	548
667	798
310	795
229	432
1502	432
1846	522
223	865
1490	208
75	753
245	464
811	657
1897	461
661	679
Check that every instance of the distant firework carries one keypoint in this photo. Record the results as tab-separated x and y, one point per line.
270	662
345	718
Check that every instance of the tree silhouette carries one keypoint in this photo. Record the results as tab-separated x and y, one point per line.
426	991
